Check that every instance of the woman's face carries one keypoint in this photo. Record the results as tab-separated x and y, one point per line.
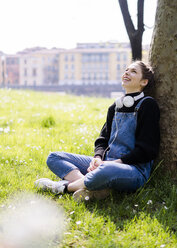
132	79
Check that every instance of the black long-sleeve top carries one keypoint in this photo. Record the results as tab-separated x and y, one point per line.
147	135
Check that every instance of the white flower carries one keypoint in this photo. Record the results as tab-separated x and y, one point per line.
78	222
149	202
7	130
72	212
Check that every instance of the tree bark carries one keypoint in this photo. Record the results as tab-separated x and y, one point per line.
135	35
163	58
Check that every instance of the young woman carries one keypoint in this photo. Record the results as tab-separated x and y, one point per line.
124	151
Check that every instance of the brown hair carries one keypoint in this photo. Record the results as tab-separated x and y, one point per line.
147	73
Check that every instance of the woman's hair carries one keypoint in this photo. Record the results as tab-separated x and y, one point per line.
147	73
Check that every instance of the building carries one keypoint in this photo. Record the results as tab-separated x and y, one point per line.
94	63
87	64
12	70
39	67
2	69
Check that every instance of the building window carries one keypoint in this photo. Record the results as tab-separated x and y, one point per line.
66	67
25	72
72	67
72	57
66	57
34	72
118	67
34	82
124	67
124	57
72	76
25	61
118	56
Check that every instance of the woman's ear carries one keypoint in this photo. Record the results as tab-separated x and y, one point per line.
144	82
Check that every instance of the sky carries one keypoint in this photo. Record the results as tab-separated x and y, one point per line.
64	23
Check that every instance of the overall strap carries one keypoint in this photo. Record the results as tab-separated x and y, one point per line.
140	102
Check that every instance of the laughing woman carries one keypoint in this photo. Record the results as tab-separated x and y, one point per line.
124	151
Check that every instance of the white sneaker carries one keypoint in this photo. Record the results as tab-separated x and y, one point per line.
86	195
47	184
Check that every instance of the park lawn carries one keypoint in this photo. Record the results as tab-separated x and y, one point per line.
32	124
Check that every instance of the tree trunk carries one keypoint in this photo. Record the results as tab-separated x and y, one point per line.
163	58
135	35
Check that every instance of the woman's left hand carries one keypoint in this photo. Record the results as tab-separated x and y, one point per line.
94	164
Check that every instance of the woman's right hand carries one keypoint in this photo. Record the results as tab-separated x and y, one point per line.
94	164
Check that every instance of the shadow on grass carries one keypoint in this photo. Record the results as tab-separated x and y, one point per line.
157	199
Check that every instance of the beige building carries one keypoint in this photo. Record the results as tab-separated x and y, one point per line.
94	63
39	67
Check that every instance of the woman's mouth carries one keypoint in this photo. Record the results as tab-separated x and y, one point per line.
126	79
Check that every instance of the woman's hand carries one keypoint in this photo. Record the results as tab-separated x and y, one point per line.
119	161
94	164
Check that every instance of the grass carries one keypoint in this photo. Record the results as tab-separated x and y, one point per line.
32	124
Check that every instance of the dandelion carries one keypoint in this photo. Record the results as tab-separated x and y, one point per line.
7	130
72	212
149	202
67	233
7	148
78	222
20	120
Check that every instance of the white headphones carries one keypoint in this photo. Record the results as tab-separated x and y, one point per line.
128	101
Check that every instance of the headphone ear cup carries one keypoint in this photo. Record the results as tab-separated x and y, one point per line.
128	101
119	103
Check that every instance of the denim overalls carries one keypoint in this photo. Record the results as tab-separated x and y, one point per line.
122	177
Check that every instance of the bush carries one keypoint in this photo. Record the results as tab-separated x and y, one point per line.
48	122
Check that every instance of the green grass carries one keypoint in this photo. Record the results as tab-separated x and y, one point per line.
33	124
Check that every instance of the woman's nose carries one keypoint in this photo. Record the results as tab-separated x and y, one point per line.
126	72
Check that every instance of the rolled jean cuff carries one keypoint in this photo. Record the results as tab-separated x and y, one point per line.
67	172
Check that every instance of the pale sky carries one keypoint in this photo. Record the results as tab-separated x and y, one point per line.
63	23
